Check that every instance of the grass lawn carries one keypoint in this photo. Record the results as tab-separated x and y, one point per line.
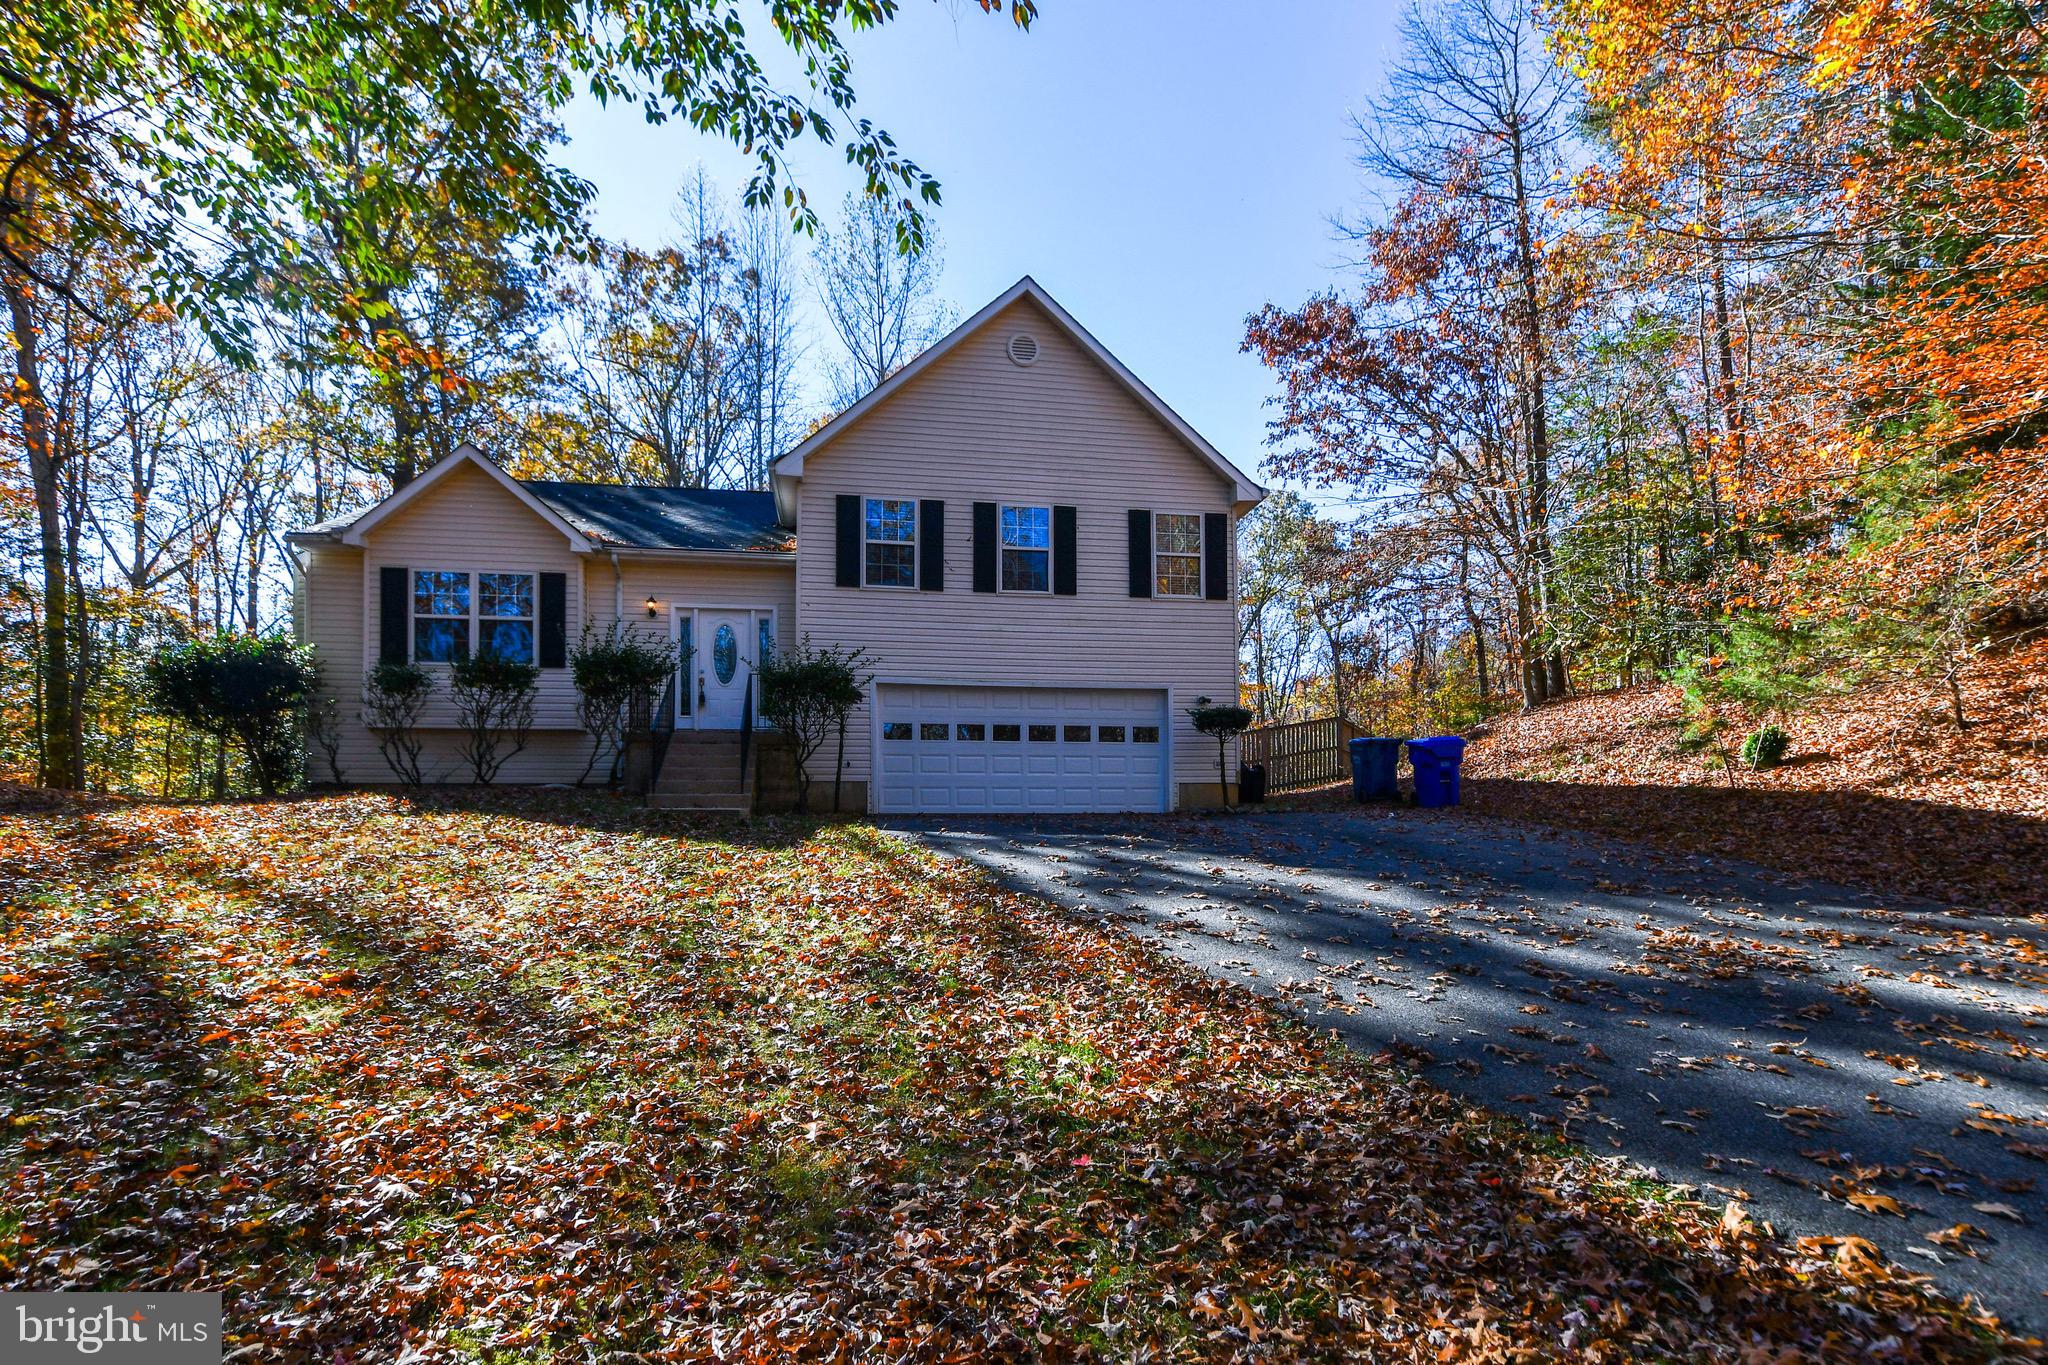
542	1077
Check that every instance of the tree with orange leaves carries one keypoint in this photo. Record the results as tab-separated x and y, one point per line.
1875	167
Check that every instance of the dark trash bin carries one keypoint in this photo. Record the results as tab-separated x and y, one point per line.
1251	783
1436	761
1373	762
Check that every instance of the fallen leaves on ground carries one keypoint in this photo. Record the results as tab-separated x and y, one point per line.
547	1077
1880	790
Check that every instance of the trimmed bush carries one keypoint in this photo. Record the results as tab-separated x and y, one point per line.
615	671
494	699
395	696
252	689
807	693
1225	723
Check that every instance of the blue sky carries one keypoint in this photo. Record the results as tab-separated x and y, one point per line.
1162	169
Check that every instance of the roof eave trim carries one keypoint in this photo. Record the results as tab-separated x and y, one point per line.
702	556
464	453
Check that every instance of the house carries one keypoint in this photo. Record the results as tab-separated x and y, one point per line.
1035	552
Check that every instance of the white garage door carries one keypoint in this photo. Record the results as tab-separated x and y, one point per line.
998	749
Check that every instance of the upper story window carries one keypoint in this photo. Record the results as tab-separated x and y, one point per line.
1177	555
456	613
1027	549
889	543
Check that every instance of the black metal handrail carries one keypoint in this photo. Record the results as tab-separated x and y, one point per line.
746	731
662	730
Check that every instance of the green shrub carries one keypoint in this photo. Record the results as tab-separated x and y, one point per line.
252	689
616	671
494	698
395	697
1766	748
807	693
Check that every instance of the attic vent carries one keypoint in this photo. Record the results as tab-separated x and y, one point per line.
1023	349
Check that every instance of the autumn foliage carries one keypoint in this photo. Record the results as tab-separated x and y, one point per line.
1882	160
1680	319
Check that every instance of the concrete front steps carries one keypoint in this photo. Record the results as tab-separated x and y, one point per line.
702	773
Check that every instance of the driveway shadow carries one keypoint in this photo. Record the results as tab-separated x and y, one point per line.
1837	1064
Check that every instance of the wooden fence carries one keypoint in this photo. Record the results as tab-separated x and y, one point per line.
1304	753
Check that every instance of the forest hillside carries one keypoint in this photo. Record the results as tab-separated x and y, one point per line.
1877	785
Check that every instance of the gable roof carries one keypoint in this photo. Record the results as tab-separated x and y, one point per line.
601	516
791	465
465	454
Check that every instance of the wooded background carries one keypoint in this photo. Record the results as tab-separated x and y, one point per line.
1688	341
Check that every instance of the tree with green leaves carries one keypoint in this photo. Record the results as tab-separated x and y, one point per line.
251	689
298	154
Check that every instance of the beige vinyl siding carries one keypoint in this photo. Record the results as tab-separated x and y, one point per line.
978	428
469	522
327	611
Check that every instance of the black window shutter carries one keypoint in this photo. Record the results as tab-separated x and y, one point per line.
1216	555
931	545
554	620
1066	574
849	540
394	600
1141	552
985	547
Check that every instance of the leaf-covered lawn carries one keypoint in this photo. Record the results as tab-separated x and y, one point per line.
527	1077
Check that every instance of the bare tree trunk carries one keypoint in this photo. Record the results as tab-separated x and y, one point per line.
59	757
405	440
1550	672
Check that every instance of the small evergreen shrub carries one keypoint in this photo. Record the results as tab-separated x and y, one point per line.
1766	748
1225	722
395	697
617	671
252	689
494	698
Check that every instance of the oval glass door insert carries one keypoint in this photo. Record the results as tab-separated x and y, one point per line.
725	653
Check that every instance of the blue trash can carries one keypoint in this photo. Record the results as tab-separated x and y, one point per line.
1373	762
1436	761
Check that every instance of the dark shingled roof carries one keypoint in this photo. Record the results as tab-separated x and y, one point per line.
642	517
650	518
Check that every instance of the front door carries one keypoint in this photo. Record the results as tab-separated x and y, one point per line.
724	645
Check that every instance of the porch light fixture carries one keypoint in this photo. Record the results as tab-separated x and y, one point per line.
652	607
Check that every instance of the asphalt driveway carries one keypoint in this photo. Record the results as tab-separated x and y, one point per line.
1839	1065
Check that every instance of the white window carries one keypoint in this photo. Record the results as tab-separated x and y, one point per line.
1177	555
1026	549
889	543
456	612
